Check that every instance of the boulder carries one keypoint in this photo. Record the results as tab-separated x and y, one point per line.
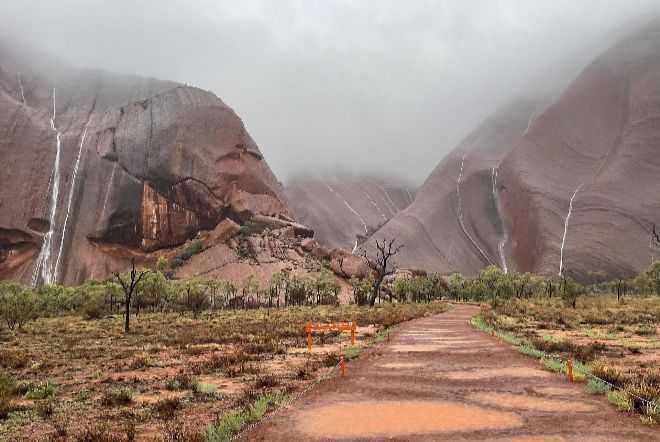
308	244
224	231
346	264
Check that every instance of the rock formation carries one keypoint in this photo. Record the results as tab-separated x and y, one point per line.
344	209
545	184
99	167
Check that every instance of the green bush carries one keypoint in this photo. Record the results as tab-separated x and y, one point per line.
620	400
117	397
7	384
595	386
41	391
232	423
193	249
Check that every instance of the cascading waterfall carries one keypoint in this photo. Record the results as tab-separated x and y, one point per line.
107	191
71	191
531	118
502	242
21	86
366	231
380	212
390	200
410	199
43	264
651	247
563	240
460	211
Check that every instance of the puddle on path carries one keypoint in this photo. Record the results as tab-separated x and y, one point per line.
486	373
514	401
379	418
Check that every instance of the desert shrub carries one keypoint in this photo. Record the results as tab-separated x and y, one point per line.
232	423
13	358
178	431
45	408
609	373
96	432
117	397
200	388
7	385
551	364
645	330
142	362
167	408
194	248
183	381
620	400
251	228
595	386
266	381
41	391
94	307
18	304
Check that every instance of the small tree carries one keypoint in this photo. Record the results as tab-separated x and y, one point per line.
18	304
571	290
195	298
382	265
128	284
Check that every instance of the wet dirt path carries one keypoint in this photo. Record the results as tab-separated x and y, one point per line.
438	378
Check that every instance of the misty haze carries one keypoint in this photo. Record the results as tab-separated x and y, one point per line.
329	220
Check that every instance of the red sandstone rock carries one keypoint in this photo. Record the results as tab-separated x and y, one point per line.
345	264
160	161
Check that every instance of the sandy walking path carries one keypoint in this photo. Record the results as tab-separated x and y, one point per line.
438	378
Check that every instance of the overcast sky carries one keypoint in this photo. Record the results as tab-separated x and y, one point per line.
388	84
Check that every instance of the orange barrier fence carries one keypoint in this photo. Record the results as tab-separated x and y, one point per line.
341	326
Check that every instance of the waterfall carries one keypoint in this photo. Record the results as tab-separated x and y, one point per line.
366	231
71	192
502	242
390	199
460	211
531	118
410	199
107	191
376	206
563	240
355	246
21	86
43	264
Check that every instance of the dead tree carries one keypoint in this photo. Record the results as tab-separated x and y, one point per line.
129	288
655	236
381	265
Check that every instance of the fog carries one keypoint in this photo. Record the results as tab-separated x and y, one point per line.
382	84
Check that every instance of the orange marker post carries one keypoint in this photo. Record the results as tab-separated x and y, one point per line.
353	332
308	328
570	370
342	368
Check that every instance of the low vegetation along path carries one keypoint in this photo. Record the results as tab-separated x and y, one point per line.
438	378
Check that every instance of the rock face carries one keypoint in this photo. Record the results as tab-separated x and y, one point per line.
550	186
581	189
343	210
99	167
454	222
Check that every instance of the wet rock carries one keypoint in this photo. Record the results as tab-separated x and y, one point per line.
345	264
